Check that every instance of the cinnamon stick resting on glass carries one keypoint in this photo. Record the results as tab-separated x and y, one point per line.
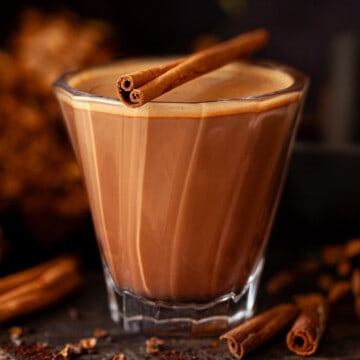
141	87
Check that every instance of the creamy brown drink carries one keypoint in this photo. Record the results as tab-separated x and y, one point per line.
183	190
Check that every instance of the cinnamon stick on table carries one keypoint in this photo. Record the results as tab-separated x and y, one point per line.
355	288
12	281
263	327
138	88
31	290
304	336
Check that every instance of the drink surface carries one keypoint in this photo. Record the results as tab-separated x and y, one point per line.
235	80
183	209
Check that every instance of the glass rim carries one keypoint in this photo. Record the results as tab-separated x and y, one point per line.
300	83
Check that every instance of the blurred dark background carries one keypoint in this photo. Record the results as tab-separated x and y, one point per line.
321	200
304	34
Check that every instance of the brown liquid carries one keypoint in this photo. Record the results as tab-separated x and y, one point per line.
183	195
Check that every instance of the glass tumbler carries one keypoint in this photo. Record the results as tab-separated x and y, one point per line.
183	190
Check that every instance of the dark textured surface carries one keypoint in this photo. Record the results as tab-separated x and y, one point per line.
79	315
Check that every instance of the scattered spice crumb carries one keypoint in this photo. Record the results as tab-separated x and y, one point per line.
68	351
153	345
15	332
88	343
65	352
42	344
213	344
100	333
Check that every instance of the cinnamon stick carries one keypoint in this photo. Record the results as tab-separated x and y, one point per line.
355	288
21	277
38	299
136	79
304	336
58	279
151	83
260	329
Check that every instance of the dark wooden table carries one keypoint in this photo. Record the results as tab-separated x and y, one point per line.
78	316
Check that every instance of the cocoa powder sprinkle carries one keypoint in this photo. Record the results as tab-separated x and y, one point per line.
28	351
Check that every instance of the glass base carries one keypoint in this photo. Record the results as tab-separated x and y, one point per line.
136	314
